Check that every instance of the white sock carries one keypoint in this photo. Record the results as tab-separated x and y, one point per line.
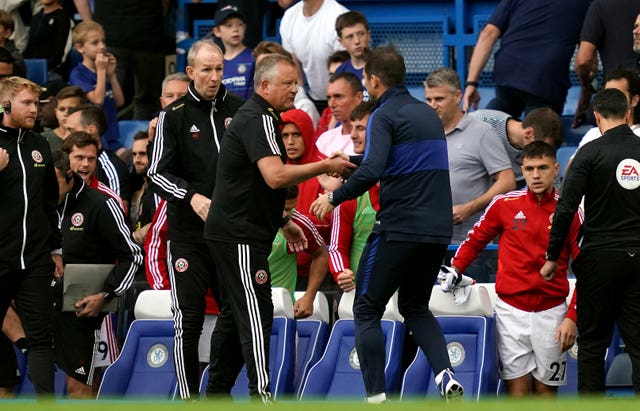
377	399
438	377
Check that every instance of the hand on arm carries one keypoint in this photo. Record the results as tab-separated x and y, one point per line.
504	181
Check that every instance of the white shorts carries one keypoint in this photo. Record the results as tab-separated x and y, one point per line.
526	343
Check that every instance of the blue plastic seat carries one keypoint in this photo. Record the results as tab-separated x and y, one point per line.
129	128
37	70
145	368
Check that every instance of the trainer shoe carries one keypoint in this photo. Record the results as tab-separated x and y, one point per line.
449	387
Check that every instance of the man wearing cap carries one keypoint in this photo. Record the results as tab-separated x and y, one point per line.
238	59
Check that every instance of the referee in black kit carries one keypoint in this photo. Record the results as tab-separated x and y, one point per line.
607	173
245	214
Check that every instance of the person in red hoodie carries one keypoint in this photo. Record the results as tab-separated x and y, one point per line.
534	326
299	141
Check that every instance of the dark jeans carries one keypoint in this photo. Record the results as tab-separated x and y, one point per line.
147	68
608	286
411	268
514	102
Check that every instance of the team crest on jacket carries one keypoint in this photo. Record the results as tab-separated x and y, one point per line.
37	157
227	122
181	265
242	68
77	219
261	277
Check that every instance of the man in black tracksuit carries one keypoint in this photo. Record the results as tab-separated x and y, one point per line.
183	171
246	212
607	173
94	231
29	238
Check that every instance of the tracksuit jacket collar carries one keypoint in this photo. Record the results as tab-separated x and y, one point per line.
192	94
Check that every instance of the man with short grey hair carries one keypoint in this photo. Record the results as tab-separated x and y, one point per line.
245	214
479	167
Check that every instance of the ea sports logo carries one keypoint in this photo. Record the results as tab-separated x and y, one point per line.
628	174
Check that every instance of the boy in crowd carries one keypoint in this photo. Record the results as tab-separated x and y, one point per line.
354	35
66	99
238	60
96	75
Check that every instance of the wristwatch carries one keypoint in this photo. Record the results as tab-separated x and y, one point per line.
107	296
330	198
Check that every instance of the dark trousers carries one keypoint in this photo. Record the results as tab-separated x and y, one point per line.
411	268
608	285
192	272
31	289
514	102
243	329
148	72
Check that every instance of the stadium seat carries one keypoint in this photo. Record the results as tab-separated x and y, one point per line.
337	374
618	380
563	155
37	70
281	351
145	368
313	334
129	128
469	331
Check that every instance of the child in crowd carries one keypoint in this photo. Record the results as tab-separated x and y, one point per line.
96	75
50	38
6	30
66	99
354	35
238	60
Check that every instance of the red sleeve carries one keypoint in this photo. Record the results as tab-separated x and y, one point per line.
310	231
155	247
341	237
485	230
572	310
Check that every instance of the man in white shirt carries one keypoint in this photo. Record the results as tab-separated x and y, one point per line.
308	31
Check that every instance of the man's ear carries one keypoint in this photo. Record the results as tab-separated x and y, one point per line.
190	71
634	100
528	135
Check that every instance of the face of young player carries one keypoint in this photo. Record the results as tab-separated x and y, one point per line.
206	71
359	134
94	44
173	90
62	109
342	99
231	31
539	173
24	109
355	39
293	141
83	161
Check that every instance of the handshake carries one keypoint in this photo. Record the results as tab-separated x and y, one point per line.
345	171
